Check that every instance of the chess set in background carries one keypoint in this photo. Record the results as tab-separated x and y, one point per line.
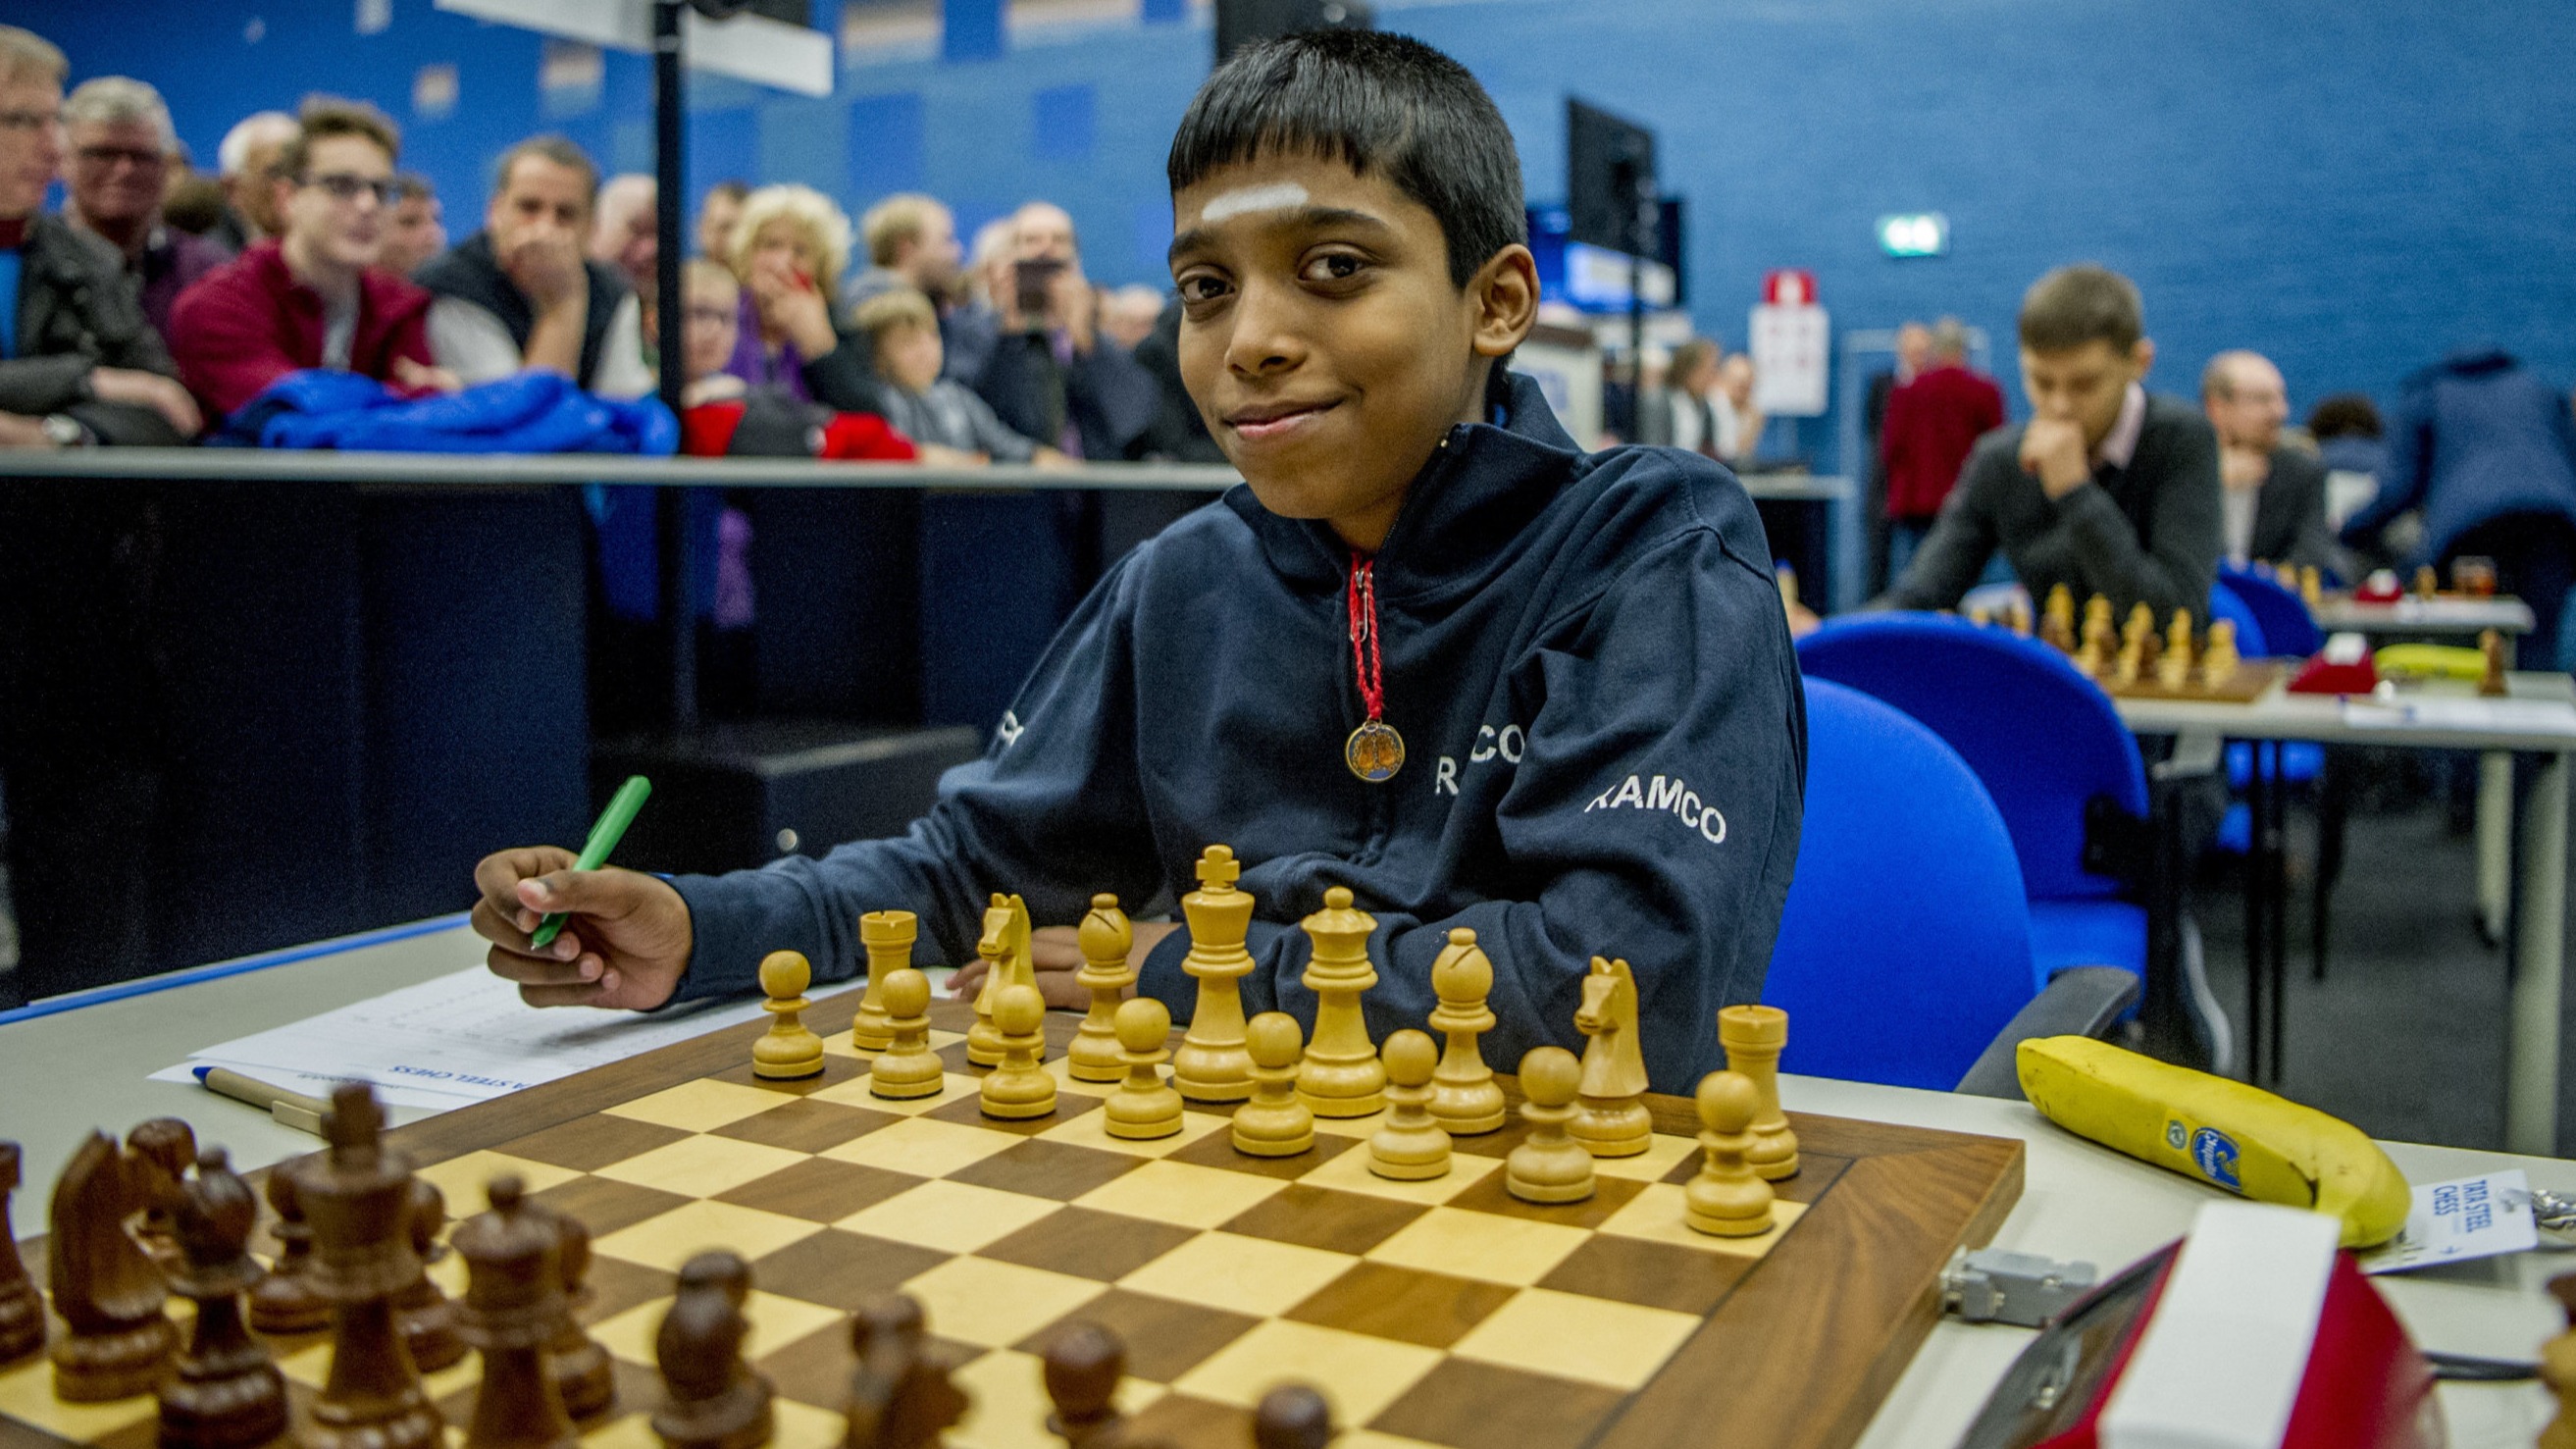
918	1239
2138	662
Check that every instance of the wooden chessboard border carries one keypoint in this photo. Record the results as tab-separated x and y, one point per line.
1801	1367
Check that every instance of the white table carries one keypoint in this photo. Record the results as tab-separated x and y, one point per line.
2539	845
2413	618
2079	1200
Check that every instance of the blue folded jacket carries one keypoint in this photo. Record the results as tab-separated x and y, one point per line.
531	412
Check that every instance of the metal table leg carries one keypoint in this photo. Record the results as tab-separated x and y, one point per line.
2539	959
2495	843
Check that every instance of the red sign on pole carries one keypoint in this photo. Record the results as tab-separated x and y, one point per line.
1789	288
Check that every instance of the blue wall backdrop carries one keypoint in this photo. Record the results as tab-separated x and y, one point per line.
2350	187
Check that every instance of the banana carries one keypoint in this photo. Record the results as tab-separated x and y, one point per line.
2237	1137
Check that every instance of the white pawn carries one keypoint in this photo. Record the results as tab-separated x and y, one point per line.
1548	1166
1274	1123
1728	1199
1019	1088
1409	1145
789	1049
1144	1106
907	1068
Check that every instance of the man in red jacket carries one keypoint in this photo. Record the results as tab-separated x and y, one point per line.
312	298
1932	422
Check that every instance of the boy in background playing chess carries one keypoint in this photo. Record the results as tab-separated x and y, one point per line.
2108	489
1433	651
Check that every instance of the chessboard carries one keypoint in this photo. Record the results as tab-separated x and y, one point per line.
1443	1312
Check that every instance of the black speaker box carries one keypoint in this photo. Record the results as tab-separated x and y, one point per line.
739	795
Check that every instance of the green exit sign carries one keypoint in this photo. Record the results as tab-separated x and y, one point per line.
1914	234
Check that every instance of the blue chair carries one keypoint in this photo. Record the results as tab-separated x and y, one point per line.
2226	603
1903	955
2296	762
2047	744
2288	628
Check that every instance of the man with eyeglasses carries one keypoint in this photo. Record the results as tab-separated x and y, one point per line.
78	362
121	143
520	293
314	297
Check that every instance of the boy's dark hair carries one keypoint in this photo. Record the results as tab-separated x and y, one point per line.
2344	415
323	117
2082	303
1384	104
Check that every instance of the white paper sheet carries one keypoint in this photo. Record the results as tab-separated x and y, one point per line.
451	1041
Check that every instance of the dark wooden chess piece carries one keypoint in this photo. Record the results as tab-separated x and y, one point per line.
513	1297
22	1309
581	1368
284	1302
226	1394
901	1396
1292	1416
107	1292
422	1313
356	1196
714	1399
160	1152
1083	1366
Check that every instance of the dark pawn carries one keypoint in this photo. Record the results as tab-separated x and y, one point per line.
357	1195
583	1373
1083	1366
161	1151
284	1302
421	1311
713	1399
1292	1416
901	1397
108	1293
513	1295
227	1395
22	1309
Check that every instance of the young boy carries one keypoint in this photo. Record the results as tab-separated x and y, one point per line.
902	329
1572	690
2106	490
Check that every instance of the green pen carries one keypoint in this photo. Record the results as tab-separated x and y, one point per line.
594	852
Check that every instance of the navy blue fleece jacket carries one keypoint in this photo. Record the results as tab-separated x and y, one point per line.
1606	743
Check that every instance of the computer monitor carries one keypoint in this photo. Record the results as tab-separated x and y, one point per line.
1609	167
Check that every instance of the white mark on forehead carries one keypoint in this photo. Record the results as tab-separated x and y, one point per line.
1278	196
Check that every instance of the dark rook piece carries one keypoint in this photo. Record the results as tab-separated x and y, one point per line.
580	1366
714	1400
107	1292
227	1395
426	1318
284	1301
22	1311
356	1195
513	1297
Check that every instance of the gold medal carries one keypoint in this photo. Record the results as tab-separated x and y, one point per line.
1374	751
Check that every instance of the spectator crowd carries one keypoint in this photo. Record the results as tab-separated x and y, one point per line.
161	305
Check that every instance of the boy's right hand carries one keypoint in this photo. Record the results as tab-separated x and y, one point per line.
626	944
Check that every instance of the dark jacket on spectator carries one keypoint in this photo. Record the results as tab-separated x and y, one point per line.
1931	424
2290	514
469	272
249	323
2476	438
77	311
1108	400
1178	434
2150	531
171	263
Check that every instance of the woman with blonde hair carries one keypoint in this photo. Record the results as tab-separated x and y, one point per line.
789	249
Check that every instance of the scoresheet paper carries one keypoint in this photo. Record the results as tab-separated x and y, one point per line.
452	1041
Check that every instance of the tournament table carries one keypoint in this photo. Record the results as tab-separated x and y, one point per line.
74	1063
2536	843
